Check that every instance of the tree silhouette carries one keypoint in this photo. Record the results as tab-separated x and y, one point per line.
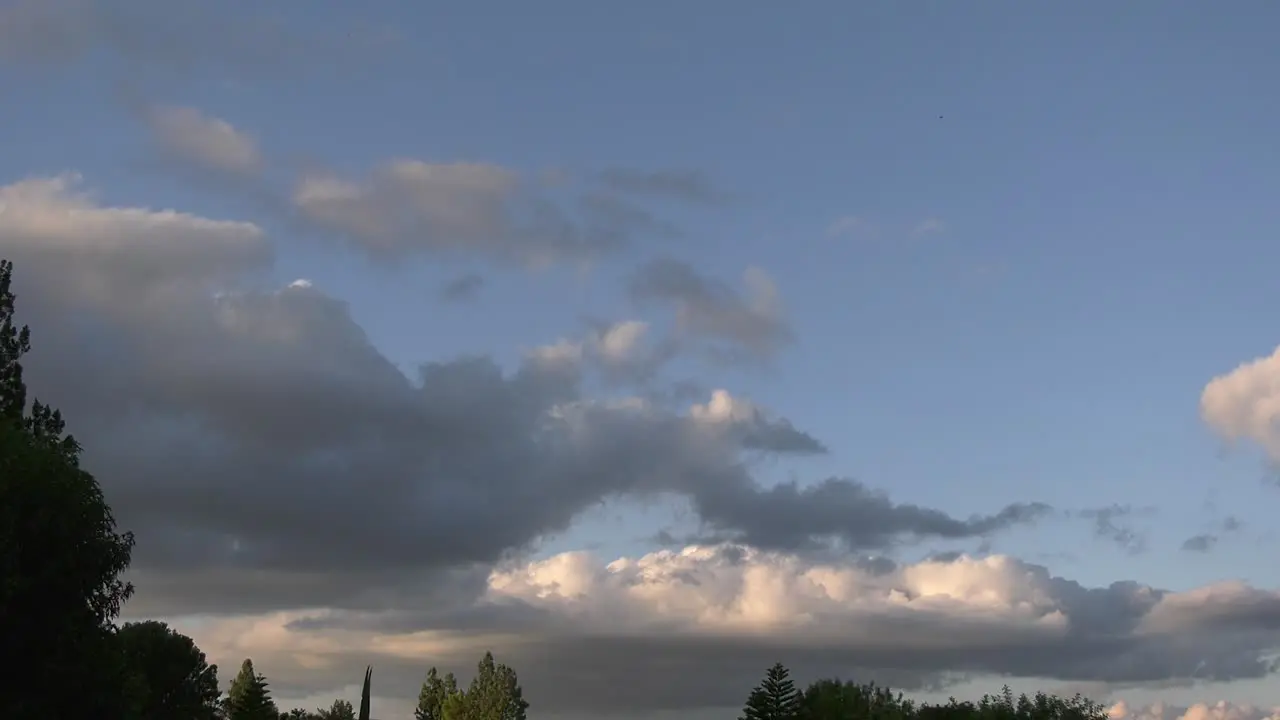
776	698
170	676
60	556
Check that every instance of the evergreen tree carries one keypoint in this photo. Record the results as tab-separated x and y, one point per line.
60	557
774	699
248	698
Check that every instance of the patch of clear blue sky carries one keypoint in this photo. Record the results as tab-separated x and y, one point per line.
1106	174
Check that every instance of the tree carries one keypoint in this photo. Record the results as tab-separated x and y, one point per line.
495	693
832	699
339	710
248	698
300	714
172	678
456	708
60	556
364	693
776	698
431	697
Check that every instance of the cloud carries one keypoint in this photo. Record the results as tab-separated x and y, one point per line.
846	226
687	185
1203	542
732	326
928	226
462	288
481	209
267	454
1109	524
207	142
693	628
1244	404
172	38
1221	710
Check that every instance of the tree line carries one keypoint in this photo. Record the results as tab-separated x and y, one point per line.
778	698
61	591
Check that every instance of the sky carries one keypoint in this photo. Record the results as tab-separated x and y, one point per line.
649	344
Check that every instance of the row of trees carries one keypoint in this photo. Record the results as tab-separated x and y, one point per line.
778	698
61	557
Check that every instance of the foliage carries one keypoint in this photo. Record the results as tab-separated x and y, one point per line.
832	699
494	694
60	556
775	698
171	679
249	698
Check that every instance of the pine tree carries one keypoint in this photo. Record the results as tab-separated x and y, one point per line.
774	699
248	698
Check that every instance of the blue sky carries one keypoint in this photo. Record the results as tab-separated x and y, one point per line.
1014	240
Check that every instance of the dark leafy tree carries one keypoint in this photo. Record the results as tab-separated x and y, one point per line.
833	698
60	556
249	697
339	710
300	714
172	678
435	691
776	698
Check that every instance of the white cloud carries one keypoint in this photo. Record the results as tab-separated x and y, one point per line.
734	610
1221	710
208	142
1244	404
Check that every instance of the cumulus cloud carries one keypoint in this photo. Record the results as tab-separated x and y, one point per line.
1221	710
641	626
237	428
1244	404
208	142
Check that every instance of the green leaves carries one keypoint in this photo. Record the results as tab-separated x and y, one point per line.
494	694
249	698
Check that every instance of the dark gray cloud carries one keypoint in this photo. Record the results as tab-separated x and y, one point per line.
686	185
1200	543
1206	541
1114	523
462	288
255	432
